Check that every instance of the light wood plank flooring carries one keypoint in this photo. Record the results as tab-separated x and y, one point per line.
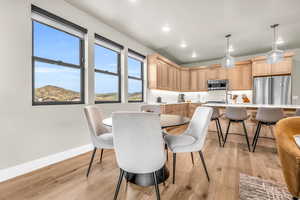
67	181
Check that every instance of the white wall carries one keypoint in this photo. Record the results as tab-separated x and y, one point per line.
295	74
31	132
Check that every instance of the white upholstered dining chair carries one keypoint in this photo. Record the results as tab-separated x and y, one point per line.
143	154
192	140
101	136
150	108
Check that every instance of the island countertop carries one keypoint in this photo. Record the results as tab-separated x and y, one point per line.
253	106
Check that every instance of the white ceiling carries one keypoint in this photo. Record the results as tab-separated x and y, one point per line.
202	24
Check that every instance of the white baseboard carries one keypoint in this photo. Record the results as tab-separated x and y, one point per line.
27	167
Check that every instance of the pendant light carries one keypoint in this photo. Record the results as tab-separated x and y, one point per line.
275	55
228	61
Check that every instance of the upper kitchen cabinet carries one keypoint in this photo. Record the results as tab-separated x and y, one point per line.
202	79
194	80
163	74
185	79
216	72
283	67
260	67
198	79
240	76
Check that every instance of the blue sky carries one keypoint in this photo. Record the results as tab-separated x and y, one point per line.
56	45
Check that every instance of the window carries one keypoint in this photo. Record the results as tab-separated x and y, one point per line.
107	71
135	77
57	61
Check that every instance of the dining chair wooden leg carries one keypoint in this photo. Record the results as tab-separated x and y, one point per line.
192	157
119	184
204	165
227	131
91	162
101	155
174	166
156	186
246	135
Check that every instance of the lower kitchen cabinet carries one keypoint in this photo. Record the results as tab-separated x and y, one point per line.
183	109
175	109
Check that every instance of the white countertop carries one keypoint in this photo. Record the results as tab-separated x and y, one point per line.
249	105
172	103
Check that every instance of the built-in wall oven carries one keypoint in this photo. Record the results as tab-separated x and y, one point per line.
217	84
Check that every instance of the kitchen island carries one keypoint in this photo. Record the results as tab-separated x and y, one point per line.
254	106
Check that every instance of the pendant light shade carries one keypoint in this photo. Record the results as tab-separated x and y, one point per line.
228	61
275	55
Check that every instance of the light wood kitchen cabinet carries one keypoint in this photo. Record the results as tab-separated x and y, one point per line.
283	67
202	79
194	80
212	73
175	109
216	72
240	76
172	78
166	75
198	79
185	79
260	67
163	74
221	73
178	79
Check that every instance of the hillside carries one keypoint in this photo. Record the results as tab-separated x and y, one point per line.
50	93
54	93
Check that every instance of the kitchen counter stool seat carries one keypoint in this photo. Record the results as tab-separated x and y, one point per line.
237	115
267	117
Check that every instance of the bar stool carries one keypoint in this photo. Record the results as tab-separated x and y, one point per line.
237	115
215	117
267	117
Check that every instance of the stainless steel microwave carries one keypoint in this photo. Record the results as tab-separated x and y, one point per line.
217	84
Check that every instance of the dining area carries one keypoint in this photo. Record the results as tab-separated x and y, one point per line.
142	143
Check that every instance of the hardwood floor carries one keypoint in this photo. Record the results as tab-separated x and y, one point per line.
67	181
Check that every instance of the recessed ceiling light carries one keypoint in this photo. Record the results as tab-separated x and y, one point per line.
183	45
194	55
166	28
132	1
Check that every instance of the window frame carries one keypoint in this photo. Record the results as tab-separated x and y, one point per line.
142	60
59	63
118	74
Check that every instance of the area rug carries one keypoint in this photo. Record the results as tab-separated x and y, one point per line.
255	188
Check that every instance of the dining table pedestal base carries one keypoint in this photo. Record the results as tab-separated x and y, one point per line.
147	179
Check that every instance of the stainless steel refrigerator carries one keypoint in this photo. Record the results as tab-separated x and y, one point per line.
272	90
